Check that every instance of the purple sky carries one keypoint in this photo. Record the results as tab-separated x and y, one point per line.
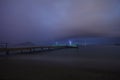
45	20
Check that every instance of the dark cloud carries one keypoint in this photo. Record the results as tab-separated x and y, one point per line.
44	20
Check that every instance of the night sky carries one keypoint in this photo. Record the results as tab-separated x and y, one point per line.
49	20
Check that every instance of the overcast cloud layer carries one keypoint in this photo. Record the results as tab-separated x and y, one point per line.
42	20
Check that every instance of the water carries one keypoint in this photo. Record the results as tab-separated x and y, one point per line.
83	63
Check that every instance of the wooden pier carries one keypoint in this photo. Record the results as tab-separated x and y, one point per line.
7	51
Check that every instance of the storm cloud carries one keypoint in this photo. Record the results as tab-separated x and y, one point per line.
44	20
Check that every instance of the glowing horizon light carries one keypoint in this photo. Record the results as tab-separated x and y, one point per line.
70	42
56	43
